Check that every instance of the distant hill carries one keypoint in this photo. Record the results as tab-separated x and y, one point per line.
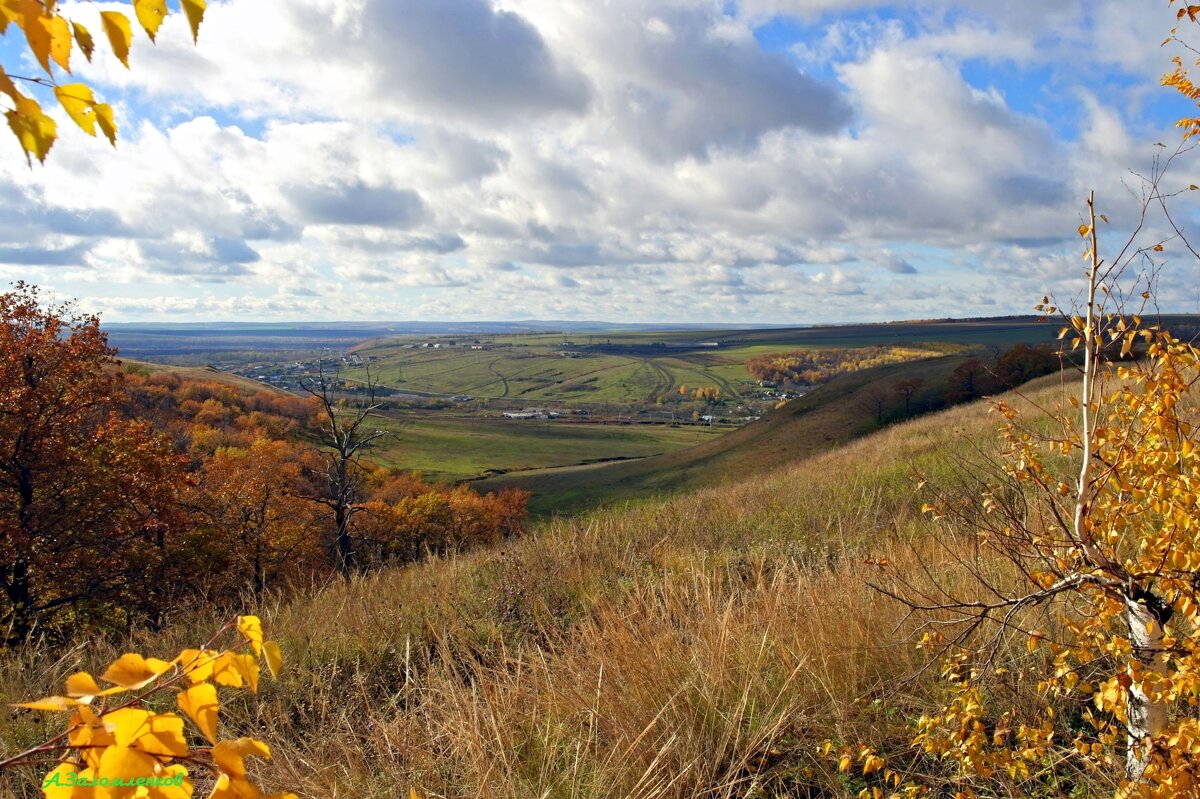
166	339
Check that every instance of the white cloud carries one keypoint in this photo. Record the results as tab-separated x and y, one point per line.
632	160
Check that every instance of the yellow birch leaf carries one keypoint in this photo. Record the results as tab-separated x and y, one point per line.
119	33
247	666
1084	230
197	664
125	763
34	130
226	788
104	118
251	628
163	736
8	87
170	790
57	704
83	38
37	34
61	41
231	755
134	671
200	704
235	670
195	14
150	14
78	101
60	783
82	685
273	657
89	735
127	724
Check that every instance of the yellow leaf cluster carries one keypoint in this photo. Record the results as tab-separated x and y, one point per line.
117	747
51	38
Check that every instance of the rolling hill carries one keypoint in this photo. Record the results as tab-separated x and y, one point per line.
832	415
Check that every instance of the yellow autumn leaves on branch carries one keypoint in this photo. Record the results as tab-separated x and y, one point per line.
52	39
116	746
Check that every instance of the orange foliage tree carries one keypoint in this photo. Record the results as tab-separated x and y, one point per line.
250	522
406	517
88	507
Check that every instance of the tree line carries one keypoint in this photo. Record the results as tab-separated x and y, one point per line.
124	491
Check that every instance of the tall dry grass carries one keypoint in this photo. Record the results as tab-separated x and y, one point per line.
697	647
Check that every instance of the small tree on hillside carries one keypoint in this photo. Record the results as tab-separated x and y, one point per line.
907	389
1115	551
1099	520
875	400
343	430
969	381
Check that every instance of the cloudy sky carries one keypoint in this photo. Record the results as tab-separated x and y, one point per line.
781	161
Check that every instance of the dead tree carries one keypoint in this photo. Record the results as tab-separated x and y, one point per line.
343	432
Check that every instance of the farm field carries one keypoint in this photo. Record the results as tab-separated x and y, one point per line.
830	416
452	449
646	367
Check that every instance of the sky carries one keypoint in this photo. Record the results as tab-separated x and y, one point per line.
746	161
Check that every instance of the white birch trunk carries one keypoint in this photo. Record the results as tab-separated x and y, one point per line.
1147	718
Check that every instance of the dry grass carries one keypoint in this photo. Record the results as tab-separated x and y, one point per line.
697	647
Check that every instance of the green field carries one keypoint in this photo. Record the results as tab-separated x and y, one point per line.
643	367
535	373
453	448
830	416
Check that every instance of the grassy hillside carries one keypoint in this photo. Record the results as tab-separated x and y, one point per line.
832	415
701	646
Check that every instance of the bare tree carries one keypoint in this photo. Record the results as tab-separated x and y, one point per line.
344	432
875	400
906	389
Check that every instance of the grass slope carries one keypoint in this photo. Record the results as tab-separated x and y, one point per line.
701	646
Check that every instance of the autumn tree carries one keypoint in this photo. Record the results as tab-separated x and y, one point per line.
968	381
87	497
251	522
1098	519
875	400
1023	362
344	432
53	39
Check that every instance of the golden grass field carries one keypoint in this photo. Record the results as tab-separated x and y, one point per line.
699	646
